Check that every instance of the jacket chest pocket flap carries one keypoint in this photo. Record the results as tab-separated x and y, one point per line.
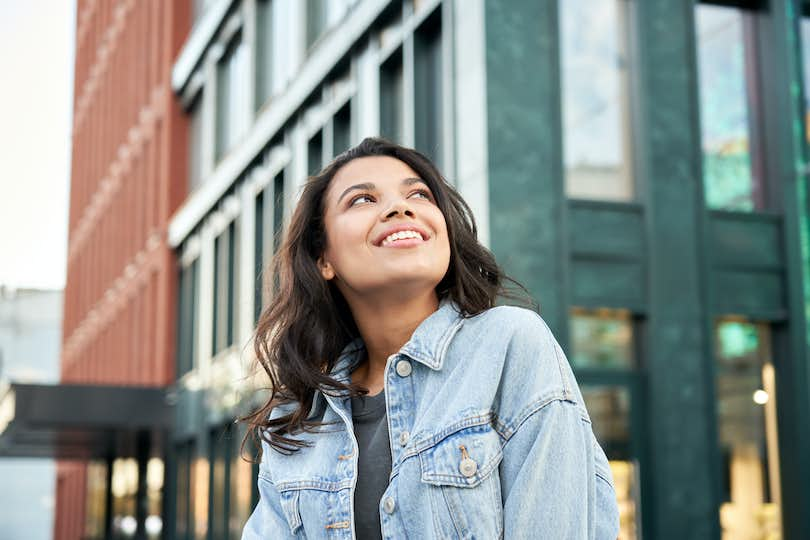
463	459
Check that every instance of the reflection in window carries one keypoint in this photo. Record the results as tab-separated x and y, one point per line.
315	154
195	143
96	500
317	18
154	498
184	509
729	181
342	130
428	87
232	115
224	288
746	412
124	492
391	98
805	35
596	111
264	51
601	338
187	324
219	447
241	488
609	409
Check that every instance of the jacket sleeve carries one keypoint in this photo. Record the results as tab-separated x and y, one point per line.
555	479
267	519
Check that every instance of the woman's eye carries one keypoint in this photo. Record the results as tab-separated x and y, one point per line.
360	199
422	193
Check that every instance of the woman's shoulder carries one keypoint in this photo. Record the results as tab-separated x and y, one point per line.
510	322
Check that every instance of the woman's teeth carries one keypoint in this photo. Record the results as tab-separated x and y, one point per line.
401	235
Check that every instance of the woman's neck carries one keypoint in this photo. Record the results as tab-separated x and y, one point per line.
385	327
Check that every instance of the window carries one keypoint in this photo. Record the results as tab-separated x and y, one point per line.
232	115
732	179
187	325
602	339
805	37
317	19
276	199
342	130
184	525
603	356
264	51
746	412
391	103
242	485
195	143
597	134
96	501
315	154
428	87
258	256
219	446
224	288
124	487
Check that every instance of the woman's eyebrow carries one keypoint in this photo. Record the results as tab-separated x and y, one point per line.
368	186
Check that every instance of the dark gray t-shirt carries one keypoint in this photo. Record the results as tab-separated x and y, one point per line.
374	463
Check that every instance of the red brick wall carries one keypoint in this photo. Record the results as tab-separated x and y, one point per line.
128	175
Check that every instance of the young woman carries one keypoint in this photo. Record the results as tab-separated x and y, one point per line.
404	403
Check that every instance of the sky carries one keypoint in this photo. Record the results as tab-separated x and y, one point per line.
36	101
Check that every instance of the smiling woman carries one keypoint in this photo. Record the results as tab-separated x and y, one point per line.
403	401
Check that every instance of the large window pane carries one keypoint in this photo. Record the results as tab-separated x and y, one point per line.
391	98
187	324
596	97
746	412
219	448
723	40
195	143
232	79
342	130
96	501
805	36
315	154
317	17
124	490
264	51
224	288
601	338
242	481
428	87
184	525
609	409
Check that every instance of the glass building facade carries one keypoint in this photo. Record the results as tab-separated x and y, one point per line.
638	165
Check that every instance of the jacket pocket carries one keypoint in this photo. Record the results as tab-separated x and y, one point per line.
289	506
461	473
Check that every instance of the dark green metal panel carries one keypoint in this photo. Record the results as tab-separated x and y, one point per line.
527	205
779	40
746	240
602	228
682	433
608	283
758	295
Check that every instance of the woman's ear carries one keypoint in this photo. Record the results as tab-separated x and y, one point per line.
326	269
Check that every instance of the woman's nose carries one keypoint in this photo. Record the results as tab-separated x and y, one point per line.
399	206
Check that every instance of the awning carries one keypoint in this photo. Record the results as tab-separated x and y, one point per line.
76	420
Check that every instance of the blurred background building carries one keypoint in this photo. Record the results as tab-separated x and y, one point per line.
30	337
638	165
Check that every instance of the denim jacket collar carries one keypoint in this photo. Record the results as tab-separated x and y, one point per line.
428	344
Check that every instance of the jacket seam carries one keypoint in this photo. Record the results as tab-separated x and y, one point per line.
509	430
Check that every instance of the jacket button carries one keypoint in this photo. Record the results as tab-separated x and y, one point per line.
404	437
404	368
389	505
468	467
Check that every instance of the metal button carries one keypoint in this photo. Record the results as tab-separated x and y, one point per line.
468	467
404	368
404	437
389	505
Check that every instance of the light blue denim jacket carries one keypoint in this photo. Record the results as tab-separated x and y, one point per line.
489	438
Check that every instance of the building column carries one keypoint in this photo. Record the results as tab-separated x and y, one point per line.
527	230
682	499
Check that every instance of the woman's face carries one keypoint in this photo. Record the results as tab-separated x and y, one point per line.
383	231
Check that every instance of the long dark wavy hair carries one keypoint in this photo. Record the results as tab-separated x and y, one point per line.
307	324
